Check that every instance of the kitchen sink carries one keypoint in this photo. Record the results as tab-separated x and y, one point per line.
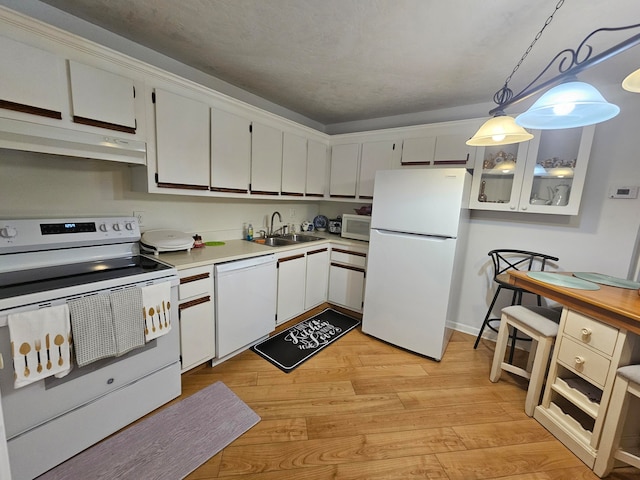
301	238
277	242
290	239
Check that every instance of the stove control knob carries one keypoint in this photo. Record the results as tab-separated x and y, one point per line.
8	232
103	227
128	226
117	227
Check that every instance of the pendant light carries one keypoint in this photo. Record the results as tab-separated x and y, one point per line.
568	105
499	130
632	82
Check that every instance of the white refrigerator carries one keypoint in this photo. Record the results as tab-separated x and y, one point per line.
416	249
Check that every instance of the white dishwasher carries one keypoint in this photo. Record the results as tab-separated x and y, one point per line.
245	302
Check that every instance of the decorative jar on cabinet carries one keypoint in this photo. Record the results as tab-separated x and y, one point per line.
544	175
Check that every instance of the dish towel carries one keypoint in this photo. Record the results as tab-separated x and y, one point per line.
93	332
128	324
40	344
156	310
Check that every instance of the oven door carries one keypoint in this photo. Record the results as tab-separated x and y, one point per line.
46	400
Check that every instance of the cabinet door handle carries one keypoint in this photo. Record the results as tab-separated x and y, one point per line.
586	333
193	303
579	360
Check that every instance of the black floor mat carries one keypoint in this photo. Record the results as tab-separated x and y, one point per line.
291	347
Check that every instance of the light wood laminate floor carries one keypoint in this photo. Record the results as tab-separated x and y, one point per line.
363	409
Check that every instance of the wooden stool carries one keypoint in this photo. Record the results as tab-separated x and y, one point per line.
627	383
539	323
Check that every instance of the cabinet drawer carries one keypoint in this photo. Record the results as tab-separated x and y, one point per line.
196	281
591	332
582	360
352	258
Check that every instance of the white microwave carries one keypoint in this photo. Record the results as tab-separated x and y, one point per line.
356	227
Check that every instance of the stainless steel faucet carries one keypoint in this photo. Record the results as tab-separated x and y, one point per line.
279	219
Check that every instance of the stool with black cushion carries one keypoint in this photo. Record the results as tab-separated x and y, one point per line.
509	259
541	325
616	443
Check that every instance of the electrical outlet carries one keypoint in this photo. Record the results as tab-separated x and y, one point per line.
292	213
140	217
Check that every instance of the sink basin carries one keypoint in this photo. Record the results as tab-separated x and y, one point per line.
277	242
301	238
290	239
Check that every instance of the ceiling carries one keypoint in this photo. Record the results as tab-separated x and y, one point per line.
336	61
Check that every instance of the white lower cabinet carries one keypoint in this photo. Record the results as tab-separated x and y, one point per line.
291	284
197	323
303	277
347	278
317	277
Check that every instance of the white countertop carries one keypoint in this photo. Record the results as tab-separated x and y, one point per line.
239	249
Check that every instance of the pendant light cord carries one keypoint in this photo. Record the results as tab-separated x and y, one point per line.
505	93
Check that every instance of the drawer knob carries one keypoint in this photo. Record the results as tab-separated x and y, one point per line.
579	360
586	332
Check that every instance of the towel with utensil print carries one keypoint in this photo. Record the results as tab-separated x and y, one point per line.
156	310
40	344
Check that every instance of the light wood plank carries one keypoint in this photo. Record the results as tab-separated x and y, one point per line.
357	448
488	435
497	462
340	374
341	425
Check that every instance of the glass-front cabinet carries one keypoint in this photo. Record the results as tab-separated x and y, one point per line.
544	175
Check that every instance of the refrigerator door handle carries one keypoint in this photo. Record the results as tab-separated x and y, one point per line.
393	233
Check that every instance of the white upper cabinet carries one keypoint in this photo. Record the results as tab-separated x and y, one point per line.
556	169
182	141
36	86
294	164
544	175
316	169
375	156
266	159
32	80
230	152
452	150
497	177
441	150
102	99
418	151
344	170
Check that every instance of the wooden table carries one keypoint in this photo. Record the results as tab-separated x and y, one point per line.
618	307
599	332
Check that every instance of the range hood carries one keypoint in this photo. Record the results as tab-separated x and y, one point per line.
34	137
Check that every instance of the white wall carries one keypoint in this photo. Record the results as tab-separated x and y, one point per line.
601	239
44	186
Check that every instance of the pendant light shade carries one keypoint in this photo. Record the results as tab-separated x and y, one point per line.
568	105
632	82
499	130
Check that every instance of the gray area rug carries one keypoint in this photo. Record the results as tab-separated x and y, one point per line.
168	445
